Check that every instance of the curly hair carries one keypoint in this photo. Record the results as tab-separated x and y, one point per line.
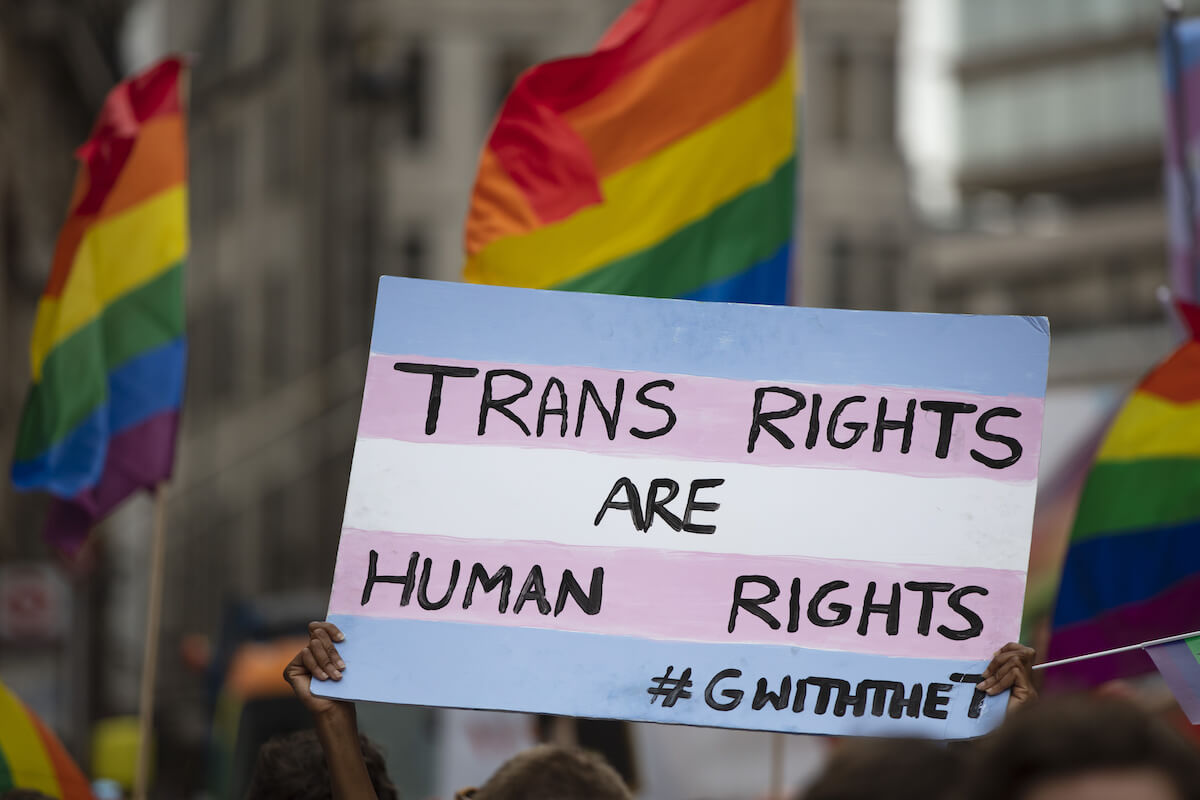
292	767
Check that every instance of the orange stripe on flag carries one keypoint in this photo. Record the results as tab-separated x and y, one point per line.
72	783
663	101
1178	378
498	206
156	163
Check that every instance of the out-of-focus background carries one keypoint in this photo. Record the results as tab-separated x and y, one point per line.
969	156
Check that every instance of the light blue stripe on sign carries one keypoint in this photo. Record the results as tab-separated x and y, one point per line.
991	355
481	666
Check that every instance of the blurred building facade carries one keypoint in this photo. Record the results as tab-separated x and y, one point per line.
856	218
1060	131
1062	214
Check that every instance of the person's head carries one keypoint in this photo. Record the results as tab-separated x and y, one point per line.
895	768
1085	748
547	772
292	767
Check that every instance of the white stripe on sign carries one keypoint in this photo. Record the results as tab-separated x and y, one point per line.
556	495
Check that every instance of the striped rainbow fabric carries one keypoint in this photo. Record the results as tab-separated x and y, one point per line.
661	164
31	757
1180	51
1132	571
108	350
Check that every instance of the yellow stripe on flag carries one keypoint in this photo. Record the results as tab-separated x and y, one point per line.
115	256
650	200
22	747
1151	427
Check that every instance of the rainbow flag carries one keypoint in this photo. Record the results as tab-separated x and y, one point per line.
31	757
1132	571
662	164
108	350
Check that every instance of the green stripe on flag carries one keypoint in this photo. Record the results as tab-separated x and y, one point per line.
6	776
75	374
1194	645
732	237
1133	496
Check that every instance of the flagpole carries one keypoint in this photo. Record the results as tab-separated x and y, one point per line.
1173	10
1115	650
141	786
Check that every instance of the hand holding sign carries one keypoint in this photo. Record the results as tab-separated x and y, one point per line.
778	518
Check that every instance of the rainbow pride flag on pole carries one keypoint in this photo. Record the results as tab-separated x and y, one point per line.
661	164
1132	570
108	350
31	757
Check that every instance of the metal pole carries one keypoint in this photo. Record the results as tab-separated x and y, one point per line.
1115	650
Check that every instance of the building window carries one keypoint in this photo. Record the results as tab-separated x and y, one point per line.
414	255
222	331
281	565
334	478
887	92
840	97
280	148
277	341
416	93
200	181
841	255
891	263
225	172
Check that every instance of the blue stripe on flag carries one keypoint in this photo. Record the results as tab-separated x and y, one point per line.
140	388
764	283
1112	571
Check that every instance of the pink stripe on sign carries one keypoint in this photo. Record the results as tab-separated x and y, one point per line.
855	427
671	594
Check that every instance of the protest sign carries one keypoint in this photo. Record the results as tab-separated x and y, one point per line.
777	518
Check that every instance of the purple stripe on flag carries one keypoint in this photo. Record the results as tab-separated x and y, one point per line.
138	458
1168	613
1179	669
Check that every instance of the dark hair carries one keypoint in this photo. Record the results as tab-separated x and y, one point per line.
24	794
893	768
1063	738
547	772
292	767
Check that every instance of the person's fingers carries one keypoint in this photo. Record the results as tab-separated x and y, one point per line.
311	663
334	632
324	659
999	666
990	670
1003	679
321	636
294	670
299	678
